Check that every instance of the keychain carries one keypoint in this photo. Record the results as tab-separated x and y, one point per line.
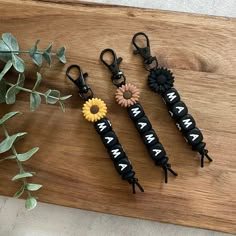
127	95
161	80
94	110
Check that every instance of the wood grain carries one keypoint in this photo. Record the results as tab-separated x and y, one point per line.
72	163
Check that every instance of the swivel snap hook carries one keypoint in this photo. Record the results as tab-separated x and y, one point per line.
118	77
145	52
85	92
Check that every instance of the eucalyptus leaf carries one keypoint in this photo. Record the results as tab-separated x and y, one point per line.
47	93
4	56
26	156
33	187
62	59
33	50
22	175
7	143
65	97
19	192
3	90
53	96
38	81
9	158
37	59
11	94
30	203
49	48
35	101
5	69
61	54
47	57
8	116
20	82
18	63
10	41
62	105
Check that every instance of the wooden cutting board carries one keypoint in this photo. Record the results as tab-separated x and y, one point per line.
72	163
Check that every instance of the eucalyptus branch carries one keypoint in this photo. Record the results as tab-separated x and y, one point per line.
8	144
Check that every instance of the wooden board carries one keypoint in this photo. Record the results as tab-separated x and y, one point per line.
72	163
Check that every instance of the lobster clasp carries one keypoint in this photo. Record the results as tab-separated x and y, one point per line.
118	77
145	52
85	92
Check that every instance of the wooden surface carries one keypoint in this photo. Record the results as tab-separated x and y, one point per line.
72	163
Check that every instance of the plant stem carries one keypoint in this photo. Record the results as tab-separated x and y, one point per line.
30	91
27	52
18	162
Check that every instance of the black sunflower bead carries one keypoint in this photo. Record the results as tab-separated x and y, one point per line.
160	80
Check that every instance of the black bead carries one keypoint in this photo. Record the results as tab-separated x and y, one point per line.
150	138
143	124
135	111
123	166
199	147
171	96
109	139
178	110
102	126
116	152
157	151
194	136
186	123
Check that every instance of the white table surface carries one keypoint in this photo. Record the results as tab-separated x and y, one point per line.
51	220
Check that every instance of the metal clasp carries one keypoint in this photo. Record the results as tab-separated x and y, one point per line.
118	77
85	92
145	52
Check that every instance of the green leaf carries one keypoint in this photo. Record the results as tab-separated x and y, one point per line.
19	192
47	57
47	93
10	41
33	50
53	96
61	54
33	187
35	101
4	56
49	48
9	158
18	63
65	97
62	105
8	116
5	69
38	81
11	94
3	90
26	156
37	59
20	82
30	203
22	175
7	143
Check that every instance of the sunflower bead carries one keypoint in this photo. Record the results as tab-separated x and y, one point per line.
94	109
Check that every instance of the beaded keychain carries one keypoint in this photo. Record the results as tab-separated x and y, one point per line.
127	95
94	110
161	80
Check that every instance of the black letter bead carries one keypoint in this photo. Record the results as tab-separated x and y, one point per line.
102	126
186	123
109	139
178	110
123	166
150	138
171	96
157	151
143	124
135	111
116	152
194	136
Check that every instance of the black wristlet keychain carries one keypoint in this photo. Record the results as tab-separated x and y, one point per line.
94	110
127	95
161	80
